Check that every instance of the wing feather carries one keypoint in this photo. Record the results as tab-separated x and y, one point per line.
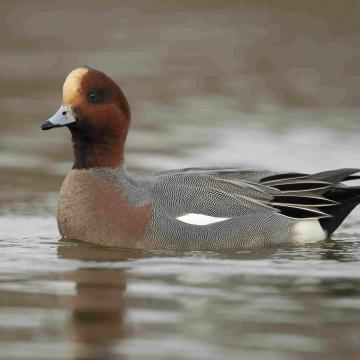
232	192
210	197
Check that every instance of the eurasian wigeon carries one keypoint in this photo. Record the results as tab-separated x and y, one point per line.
101	203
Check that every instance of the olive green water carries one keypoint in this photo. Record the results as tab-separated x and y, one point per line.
246	83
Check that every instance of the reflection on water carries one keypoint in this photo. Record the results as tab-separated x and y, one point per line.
98	308
249	83
78	301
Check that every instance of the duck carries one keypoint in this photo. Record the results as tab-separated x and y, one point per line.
101	203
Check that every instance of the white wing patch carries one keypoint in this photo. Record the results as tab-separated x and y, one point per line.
308	231
200	219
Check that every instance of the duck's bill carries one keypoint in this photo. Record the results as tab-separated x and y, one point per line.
62	117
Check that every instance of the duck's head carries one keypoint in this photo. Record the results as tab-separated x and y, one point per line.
98	115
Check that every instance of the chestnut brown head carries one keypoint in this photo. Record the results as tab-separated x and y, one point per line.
98	115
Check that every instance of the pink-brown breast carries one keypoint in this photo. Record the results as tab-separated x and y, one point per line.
93	210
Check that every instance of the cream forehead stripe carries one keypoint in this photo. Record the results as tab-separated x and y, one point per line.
72	84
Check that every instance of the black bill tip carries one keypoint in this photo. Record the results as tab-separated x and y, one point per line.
47	125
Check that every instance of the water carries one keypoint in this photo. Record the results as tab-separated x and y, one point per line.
254	100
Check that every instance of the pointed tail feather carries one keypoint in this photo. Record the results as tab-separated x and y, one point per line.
335	176
348	198
326	184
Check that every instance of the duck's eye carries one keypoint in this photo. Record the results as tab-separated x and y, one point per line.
94	96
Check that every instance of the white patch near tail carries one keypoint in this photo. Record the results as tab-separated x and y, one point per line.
200	219
308	231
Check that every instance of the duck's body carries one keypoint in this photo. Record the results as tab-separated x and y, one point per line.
101	203
108	207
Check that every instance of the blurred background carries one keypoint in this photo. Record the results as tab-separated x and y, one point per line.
271	84
259	84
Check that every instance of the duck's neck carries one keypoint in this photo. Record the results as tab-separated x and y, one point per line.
97	152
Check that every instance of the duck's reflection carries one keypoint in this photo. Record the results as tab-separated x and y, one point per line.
98	308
